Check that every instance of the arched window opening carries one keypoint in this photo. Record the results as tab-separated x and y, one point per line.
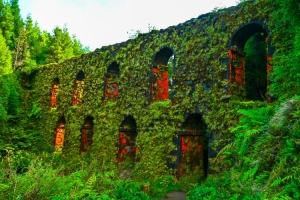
54	92
86	134
193	153
255	67
162	71
127	141
78	89
60	135
111	86
249	52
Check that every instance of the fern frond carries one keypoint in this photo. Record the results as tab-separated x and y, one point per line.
228	146
252	132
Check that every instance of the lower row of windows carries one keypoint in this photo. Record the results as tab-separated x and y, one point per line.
190	143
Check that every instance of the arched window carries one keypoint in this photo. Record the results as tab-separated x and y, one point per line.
60	134
111	85
192	146
86	134
127	138
78	89
162	75
250	52
54	92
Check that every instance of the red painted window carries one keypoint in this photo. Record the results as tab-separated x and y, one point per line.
86	134
59	138
111	85
111	90
127	147
160	85
237	66
78	92
54	92
161	71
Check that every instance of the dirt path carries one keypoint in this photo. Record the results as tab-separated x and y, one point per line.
175	196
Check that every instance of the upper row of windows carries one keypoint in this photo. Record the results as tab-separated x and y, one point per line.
161	71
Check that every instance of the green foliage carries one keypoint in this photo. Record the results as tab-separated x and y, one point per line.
61	46
47	178
258	151
17	19
37	41
130	190
5	58
162	185
256	67
6	23
266	164
251	125
35	111
13	103
78	48
198	81
285	75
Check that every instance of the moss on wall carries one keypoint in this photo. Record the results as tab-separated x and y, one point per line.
201	64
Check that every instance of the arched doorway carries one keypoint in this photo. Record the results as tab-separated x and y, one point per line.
192	146
78	88
111	85
250	52
127	141
59	135
161	79
54	92
86	134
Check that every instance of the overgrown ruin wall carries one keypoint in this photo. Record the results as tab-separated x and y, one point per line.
200	85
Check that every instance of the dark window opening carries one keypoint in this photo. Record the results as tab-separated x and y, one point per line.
248	62
86	134
59	135
111	85
54	93
78	89
162	71
127	142
255	67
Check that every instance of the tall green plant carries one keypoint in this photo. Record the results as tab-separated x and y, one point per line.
5	58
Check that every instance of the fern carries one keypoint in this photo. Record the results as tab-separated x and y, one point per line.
250	173
252	132
224	149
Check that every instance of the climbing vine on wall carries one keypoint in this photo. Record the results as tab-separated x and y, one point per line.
199	84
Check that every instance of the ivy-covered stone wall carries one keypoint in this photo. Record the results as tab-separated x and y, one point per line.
200	85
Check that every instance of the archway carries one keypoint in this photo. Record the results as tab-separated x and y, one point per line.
78	88
111	85
192	146
54	92
250	52
127	141
59	135
161	79
86	134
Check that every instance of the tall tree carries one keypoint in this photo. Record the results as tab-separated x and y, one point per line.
17	19
6	23
78	48
22	54
61	46
5	57
37	45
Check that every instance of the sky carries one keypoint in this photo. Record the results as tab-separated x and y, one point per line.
98	23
